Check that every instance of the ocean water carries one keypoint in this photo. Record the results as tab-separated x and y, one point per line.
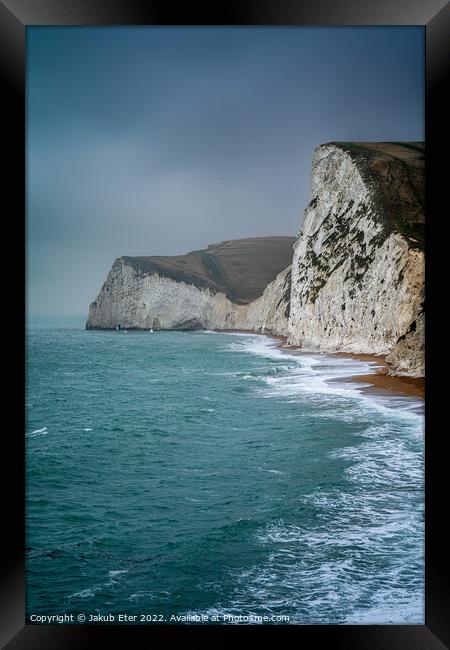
195	473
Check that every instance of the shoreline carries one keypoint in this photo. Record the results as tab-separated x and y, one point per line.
380	382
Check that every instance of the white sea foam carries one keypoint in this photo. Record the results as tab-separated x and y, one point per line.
270	471
391	606
245	334
327	569
85	593
117	572
315	374
367	531
141	594
38	432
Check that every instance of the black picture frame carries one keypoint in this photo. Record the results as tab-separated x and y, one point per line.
15	17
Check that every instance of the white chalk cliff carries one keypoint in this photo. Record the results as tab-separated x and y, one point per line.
226	286
358	267
357	278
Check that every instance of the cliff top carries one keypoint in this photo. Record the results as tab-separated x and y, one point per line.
240	268
396	173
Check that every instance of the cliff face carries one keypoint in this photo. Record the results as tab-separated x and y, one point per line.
207	289
357	278
358	266
269	314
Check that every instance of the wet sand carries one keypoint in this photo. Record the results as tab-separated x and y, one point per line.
379	380
410	386
395	384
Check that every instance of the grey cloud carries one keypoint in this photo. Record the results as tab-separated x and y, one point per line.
131	131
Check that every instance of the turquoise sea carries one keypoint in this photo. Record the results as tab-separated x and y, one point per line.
183	474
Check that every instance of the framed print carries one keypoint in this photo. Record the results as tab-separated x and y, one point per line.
228	387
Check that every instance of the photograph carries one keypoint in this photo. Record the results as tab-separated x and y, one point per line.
225	325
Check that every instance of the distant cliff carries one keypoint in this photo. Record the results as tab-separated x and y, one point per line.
357	277
209	288
358	267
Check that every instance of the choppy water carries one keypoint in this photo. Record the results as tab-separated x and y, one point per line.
196	473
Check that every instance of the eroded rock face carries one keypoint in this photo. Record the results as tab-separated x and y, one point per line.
270	313
358	266
193	291
130	299
357	277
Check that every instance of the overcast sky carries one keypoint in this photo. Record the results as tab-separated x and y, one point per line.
157	141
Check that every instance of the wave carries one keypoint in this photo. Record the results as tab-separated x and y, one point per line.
117	572
84	593
37	432
361	558
321	376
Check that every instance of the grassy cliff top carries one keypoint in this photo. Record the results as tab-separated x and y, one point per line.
240	268
396	172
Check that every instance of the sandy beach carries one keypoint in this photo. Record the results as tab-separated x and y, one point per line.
379	380
409	386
